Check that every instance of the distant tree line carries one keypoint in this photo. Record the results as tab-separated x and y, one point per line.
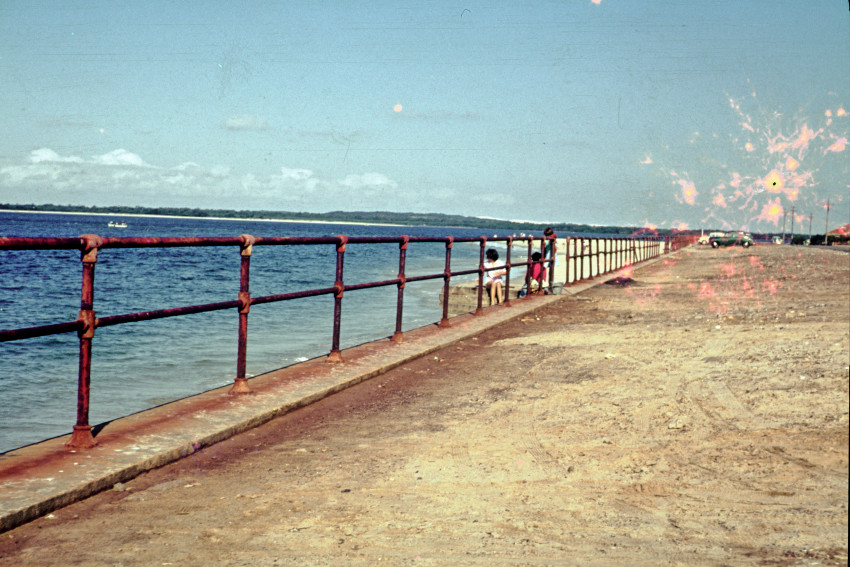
384	217
820	239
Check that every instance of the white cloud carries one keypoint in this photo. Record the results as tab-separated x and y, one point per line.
47	155
186	166
367	181
293	174
245	122
121	177
120	157
219	171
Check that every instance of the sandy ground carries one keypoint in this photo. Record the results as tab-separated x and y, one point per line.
698	416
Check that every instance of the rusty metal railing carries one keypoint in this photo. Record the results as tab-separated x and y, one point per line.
610	257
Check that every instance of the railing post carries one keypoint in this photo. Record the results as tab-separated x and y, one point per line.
624	253
479	310
544	261
240	383
615	254
82	437
600	256
339	287
580	254
402	280
447	276
528	268
507	301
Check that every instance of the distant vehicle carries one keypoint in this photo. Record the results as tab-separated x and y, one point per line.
731	239
704	238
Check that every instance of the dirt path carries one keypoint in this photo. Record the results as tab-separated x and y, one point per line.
696	416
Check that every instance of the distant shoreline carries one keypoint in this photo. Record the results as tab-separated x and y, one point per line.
142	215
365	218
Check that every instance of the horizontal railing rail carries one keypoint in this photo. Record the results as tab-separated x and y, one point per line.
608	254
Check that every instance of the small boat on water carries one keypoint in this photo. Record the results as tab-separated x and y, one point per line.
119	224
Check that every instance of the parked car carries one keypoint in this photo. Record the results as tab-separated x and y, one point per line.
705	238
731	239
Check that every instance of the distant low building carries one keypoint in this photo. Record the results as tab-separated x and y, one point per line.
840	231
840	235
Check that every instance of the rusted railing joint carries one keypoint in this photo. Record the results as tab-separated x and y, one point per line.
247	246
244	299
89	246
88	323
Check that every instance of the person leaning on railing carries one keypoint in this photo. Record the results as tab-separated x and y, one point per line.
551	248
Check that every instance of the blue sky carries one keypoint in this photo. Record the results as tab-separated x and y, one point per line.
676	113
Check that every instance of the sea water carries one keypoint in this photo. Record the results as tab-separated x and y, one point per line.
137	366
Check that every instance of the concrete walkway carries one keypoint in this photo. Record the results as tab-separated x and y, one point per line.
41	478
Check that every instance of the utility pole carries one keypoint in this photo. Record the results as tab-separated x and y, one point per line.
792	225
826	228
784	218
810	227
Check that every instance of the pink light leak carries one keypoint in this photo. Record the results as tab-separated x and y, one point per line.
771	286
737	285
839	146
772	211
774	161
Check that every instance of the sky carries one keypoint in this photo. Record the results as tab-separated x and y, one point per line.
669	113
